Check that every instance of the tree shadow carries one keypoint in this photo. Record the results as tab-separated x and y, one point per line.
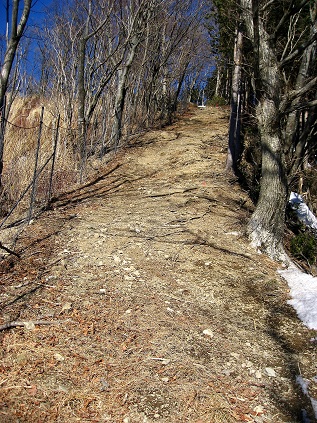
291	343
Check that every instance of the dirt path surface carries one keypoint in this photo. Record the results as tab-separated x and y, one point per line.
144	302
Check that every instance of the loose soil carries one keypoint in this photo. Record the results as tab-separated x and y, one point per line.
139	298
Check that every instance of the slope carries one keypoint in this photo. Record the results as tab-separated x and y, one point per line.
143	301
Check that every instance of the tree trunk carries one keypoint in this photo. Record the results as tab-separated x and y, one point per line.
12	44
218	82
234	145
179	88
292	126
121	94
266	226
81	128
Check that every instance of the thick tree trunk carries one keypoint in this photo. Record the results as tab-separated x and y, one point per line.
266	226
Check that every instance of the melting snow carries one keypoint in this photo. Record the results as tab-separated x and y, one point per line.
303	290
304	384
303	287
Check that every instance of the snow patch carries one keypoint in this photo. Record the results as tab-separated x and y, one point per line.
303	290
303	287
304	214
304	384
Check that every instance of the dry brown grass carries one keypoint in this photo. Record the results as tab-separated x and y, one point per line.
21	138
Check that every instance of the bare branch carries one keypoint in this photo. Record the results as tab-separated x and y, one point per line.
292	10
298	51
295	94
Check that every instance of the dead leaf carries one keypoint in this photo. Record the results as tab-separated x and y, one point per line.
32	390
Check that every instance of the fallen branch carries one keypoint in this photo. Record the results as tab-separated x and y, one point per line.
27	324
8	250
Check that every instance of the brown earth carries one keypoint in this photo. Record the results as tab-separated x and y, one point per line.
139	299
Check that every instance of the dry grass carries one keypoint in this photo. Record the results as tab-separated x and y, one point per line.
22	134
129	270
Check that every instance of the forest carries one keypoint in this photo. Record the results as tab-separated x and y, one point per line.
108	71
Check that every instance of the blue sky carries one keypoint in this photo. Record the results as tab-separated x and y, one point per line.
36	16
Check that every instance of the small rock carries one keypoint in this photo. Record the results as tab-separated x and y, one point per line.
29	325
104	384
208	332
258	374
116	259
258	409
62	388
165	379
59	357
235	355
128	278
270	372
66	307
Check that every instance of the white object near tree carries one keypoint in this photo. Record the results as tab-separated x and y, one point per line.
303	213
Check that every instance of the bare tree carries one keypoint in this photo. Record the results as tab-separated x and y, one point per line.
274	67
234	144
134	19
18	24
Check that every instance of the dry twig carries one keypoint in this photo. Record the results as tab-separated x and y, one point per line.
8	250
15	324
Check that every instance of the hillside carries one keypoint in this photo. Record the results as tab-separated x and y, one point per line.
144	301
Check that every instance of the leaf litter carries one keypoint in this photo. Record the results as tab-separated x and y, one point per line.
164	311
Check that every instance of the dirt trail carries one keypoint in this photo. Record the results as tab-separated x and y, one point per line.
158	308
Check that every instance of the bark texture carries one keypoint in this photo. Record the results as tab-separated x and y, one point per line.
266	226
234	144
